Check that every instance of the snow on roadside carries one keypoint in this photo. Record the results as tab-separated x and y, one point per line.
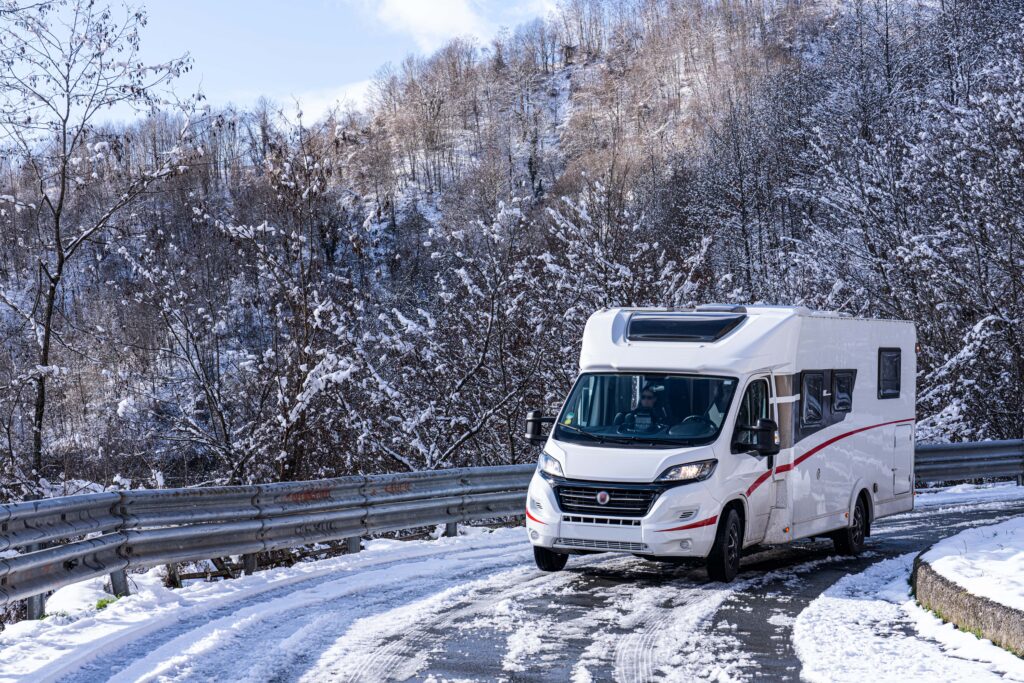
969	494
987	561
867	627
38	650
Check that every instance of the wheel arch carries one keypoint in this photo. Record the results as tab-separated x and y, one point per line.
739	503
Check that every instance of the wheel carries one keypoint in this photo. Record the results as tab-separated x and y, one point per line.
724	561
549	560
850	541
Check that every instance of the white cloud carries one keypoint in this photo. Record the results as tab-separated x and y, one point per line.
431	24
314	104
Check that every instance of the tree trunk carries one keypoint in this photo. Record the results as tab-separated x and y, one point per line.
44	362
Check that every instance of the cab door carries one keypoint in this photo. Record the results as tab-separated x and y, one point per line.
753	469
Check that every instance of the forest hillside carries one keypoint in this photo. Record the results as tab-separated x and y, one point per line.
206	295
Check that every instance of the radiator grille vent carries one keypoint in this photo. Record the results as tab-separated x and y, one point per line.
621	502
577	519
600	545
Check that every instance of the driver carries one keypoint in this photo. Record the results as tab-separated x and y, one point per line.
648	414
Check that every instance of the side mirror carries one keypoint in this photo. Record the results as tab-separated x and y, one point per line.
535	432
767	432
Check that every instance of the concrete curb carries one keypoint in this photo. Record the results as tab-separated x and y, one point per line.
986	618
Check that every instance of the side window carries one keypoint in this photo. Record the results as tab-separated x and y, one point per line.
813	386
754	406
888	373
842	391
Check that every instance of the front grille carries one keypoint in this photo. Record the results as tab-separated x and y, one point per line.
609	521
600	545
622	502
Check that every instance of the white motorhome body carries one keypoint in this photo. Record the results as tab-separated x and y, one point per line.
662	475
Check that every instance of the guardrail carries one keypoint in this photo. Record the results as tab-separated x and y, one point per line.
107	533
975	460
74	538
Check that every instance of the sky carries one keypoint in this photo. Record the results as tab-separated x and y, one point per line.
314	51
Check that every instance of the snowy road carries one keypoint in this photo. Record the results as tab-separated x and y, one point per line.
475	608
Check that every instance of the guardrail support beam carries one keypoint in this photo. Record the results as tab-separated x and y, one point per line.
249	563
35	606
119	583
353	544
451	529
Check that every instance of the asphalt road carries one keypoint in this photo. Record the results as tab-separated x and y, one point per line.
488	614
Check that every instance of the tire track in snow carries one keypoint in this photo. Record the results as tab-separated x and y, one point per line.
386	647
264	627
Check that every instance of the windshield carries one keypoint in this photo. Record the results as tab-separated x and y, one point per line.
645	409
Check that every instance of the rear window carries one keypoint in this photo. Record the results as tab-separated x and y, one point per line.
811	395
889	361
698	327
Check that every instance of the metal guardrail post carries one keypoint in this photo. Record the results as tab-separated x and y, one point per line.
119	583
353	544
249	563
35	605
451	529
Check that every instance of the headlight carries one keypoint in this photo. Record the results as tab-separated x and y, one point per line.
549	465
691	471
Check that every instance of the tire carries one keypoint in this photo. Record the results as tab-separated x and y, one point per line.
549	560
724	561
850	541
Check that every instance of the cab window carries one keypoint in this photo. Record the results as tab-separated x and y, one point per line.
754	406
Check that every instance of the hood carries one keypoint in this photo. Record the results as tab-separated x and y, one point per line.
623	464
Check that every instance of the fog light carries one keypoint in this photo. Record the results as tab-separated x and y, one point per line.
685	544
534	535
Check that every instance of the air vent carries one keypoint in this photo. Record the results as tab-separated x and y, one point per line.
608	521
600	545
682	327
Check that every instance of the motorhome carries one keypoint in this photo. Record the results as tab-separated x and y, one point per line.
698	433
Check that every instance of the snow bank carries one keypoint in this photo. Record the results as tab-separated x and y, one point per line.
987	561
867	627
969	493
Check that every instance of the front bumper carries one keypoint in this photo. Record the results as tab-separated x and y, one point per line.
681	522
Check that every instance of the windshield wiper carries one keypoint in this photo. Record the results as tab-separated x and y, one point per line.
595	437
662	442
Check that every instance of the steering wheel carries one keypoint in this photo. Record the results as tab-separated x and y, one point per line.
701	418
627	427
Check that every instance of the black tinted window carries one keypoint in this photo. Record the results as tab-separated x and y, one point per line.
682	326
888	373
842	391
811	392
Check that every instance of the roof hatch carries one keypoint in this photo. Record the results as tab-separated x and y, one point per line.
682	327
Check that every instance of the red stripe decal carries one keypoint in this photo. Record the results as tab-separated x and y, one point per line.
529	516
785	468
757	482
704	522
